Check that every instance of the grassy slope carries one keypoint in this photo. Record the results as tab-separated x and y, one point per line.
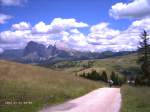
121	62
135	99
40	85
117	64
47	86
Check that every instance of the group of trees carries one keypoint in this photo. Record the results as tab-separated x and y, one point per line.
94	75
116	79
144	60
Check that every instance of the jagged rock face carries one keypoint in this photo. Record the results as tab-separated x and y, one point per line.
36	53
51	51
35	48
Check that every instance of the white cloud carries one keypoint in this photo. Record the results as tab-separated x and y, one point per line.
134	9
19	38
102	31
75	31
67	23
139	25
57	25
101	36
21	26
63	30
12	2
104	38
14	36
78	39
4	18
41	27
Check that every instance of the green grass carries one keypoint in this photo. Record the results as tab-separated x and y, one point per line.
123	65
135	99
41	86
47	87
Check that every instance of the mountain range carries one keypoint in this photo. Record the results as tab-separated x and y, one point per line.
38	53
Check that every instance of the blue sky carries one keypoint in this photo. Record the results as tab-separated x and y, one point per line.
95	25
89	11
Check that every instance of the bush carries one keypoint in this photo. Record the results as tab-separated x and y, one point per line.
104	76
94	75
116	79
141	80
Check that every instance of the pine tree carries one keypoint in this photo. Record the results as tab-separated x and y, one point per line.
144	57
115	78
104	76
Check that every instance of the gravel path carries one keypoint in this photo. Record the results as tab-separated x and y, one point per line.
100	100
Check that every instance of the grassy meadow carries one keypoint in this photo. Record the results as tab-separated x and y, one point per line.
135	99
122	65
41	86
44	86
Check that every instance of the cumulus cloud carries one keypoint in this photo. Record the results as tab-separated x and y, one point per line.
41	27
57	25
75	31
4	18
134	9
19	38
64	30
140	25
12	2
102	31
101	36
104	38
67	23
13	36
21	26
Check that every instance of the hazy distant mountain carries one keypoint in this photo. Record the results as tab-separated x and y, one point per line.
39	53
11	54
35	51
35	48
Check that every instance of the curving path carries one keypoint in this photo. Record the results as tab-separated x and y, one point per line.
100	100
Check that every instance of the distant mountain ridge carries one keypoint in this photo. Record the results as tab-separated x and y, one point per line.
38	53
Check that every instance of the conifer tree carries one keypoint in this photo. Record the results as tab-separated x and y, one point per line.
144	57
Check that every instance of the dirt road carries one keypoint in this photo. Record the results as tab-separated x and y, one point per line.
100	100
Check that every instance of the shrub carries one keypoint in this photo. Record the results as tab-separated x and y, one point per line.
94	75
116	79
104	76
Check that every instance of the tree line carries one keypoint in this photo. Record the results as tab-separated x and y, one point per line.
96	76
144	60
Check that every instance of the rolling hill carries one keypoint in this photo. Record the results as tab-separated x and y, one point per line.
123	65
44	86
134	98
41	86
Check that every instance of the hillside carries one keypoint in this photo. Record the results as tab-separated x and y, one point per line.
41	86
123	65
44	87
133	99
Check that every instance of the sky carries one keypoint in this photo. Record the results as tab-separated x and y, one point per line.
85	25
